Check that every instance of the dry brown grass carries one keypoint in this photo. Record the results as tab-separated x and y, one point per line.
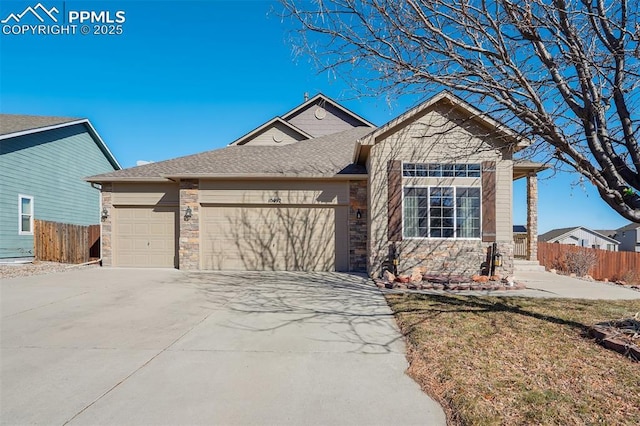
493	361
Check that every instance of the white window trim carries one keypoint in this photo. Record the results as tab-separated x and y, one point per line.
21	213
455	213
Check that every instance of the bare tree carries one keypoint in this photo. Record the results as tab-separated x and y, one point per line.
563	73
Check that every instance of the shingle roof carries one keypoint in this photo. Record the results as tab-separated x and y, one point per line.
629	227
606	232
555	233
13	123
324	156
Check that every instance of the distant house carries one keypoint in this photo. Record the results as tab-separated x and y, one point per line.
580	236
43	161
629	237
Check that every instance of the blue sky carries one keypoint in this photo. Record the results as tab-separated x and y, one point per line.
190	76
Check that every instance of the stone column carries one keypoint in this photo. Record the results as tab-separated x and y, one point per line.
532	216
106	228
358	226
189	240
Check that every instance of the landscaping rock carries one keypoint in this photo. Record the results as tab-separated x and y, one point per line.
388	276
509	281
416	276
404	279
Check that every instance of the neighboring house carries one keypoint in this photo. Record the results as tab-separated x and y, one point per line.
43	162
321	188
580	236
629	237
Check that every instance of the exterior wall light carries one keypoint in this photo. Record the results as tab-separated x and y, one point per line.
187	213
358	214
104	214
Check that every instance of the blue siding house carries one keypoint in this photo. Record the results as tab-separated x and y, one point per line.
43	162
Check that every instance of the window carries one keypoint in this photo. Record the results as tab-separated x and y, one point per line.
440	170
442	212
25	215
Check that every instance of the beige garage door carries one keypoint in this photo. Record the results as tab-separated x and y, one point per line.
273	238
145	237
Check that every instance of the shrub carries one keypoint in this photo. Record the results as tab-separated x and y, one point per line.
580	262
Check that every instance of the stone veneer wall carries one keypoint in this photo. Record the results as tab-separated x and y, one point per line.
455	257
189	239
532	217
358	227
105	238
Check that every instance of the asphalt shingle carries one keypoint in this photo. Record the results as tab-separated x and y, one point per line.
12	123
319	157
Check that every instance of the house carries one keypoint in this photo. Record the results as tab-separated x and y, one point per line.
43	162
629	237
580	236
321	188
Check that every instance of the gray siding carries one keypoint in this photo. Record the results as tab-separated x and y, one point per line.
276	134
334	120
628	241
584	238
50	166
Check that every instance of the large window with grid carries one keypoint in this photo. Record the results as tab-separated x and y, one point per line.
441	212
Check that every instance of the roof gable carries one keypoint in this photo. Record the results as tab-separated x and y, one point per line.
304	120
497	130
280	129
326	103
14	125
556	234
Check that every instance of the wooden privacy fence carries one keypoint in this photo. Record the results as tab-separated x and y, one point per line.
62	242
612	265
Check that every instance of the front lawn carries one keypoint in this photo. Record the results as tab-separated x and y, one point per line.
516	360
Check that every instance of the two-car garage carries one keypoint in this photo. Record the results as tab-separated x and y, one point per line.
243	225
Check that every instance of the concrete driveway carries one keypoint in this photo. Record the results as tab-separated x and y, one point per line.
130	346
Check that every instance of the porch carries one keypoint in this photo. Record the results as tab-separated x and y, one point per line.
525	238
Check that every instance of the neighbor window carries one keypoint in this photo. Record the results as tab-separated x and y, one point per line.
442	212
25	215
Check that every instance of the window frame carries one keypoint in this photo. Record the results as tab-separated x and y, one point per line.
455	212
21	213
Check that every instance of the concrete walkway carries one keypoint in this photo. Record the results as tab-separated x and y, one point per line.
130	346
546	284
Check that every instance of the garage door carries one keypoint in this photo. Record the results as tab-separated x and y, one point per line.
273	238
145	237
